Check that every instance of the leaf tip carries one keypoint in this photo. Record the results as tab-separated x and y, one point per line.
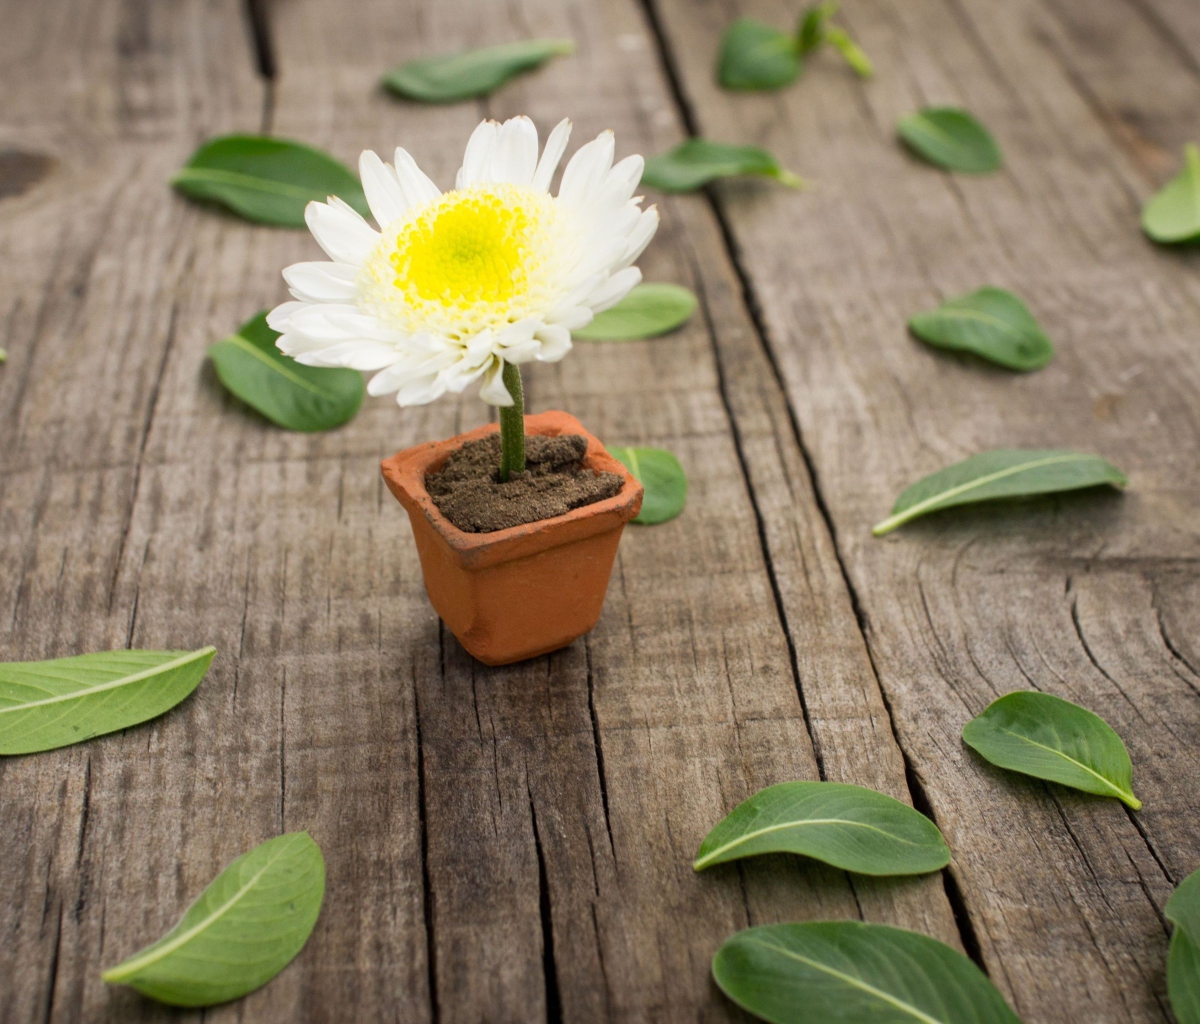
791	180
1132	801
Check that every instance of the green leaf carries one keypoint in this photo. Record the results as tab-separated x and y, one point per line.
1183	961
991	323
814	25
1173	214
267	180
1003	473
662	478
50	704
850	827
461	76
756	56
288	393
1183	908
647	311
245	928
950	138
1047	737
851	52
699	161
848	972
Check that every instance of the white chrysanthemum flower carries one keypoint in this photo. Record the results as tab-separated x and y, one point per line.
457	284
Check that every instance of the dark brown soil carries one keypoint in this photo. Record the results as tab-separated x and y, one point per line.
467	489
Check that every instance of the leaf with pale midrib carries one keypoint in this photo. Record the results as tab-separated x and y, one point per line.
267	180
449	78
1173	214
951	138
646	312
1050	738
1183	960
662	478
696	162
854	973
1003	473
850	827
50	704
991	323
246	927
288	393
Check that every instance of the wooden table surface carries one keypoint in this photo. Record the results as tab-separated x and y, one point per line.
515	844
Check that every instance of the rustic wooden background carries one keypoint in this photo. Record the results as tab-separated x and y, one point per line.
514	844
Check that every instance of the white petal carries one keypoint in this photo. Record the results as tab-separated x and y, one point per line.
357	355
421	392
614	289
388	380
556	145
517	334
526	352
382	188
556	343
478	156
573	318
340	231
493	391
322	282
278	318
587	169
413	181
515	156
640	236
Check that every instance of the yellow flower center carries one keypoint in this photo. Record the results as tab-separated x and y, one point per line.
473	259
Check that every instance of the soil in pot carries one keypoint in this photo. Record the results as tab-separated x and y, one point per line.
467	489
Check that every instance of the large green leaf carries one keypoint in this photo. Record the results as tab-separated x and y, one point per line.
245	928
950	138
850	827
267	180
1047	737
991	323
755	55
662	479
1183	961
696	162
460	76
647	311
49	704
1173	215
1003	473
847	972
288	393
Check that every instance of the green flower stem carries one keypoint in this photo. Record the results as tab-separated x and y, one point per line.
512	425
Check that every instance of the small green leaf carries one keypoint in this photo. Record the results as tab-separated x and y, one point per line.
1183	908
461	76
851	52
850	972
661	477
245	928
288	393
1183	961
991	323
50	704
3	355
647	311
1173	214
267	180
950	138
850	827
1003	473
756	56
1047	737
699	161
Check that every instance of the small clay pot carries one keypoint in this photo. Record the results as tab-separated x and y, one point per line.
516	593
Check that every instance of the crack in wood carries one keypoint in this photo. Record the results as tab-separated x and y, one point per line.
554	1011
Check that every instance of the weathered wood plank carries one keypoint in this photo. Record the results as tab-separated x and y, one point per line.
1064	891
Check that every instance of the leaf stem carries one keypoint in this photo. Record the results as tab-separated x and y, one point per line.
512	424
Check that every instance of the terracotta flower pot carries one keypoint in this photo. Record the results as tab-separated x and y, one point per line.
516	593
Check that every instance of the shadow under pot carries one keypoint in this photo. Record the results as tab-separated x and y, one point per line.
515	593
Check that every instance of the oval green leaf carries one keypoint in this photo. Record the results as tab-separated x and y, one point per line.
1003	473
814	25
991	323
1183	960
950	138
854	973
267	180
850	827
661	476
50	704
460	76
646	312
245	928
1173	215
755	55
698	161
289	394
1047	737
